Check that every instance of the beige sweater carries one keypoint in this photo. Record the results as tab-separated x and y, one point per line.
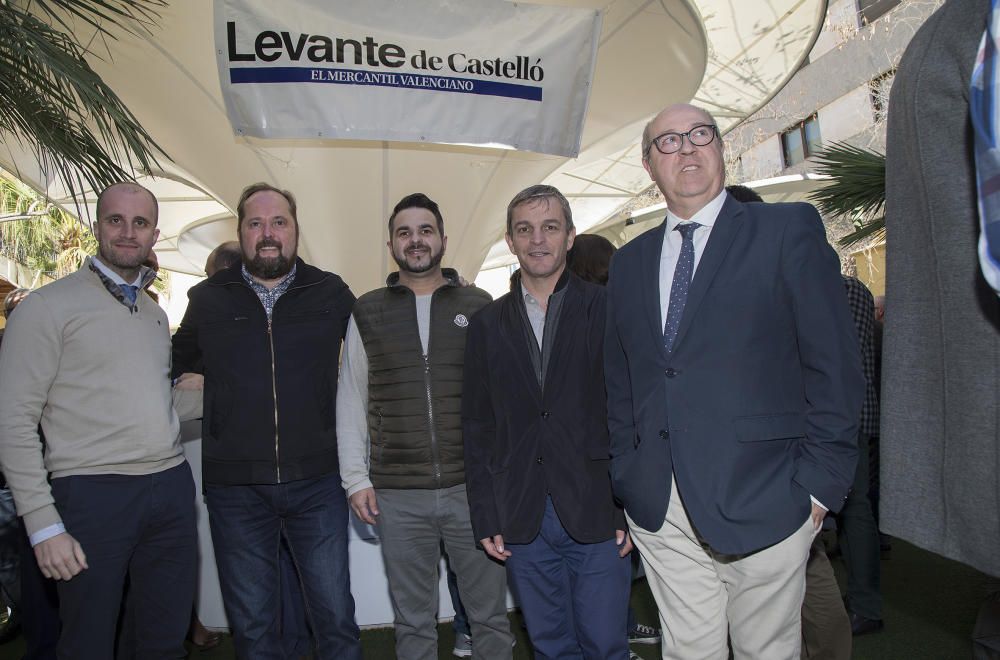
96	375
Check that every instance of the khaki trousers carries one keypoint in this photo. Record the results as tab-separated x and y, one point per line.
704	596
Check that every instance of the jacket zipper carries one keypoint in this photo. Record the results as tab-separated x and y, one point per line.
435	453
274	375
435	458
274	392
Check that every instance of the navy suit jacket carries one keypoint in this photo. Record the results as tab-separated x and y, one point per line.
756	408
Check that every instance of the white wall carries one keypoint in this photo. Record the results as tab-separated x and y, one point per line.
846	116
763	160
841	21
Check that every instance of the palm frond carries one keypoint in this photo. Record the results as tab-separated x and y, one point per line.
873	229
53	244
99	12
857	182
55	104
856	190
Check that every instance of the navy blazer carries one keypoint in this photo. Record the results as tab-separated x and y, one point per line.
756	408
524	442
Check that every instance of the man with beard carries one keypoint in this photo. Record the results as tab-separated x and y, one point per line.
87	358
400	430
267	332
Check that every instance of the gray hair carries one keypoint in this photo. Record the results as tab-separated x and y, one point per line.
539	192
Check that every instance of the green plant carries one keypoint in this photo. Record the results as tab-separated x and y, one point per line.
856	189
47	240
53	102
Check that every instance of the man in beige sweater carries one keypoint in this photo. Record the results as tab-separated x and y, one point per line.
87	358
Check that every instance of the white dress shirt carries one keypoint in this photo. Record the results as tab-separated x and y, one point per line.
671	250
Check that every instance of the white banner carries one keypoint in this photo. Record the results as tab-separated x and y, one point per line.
488	72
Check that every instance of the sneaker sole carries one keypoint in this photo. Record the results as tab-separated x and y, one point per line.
644	640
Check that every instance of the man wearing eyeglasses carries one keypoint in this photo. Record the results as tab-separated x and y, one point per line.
734	388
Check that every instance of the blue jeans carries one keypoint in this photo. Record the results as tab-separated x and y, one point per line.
574	596
248	523
461	622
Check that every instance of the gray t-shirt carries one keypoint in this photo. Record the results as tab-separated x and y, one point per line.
424	319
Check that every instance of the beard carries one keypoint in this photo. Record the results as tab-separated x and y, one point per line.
433	262
268	268
111	258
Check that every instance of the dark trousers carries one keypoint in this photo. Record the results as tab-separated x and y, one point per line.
39	605
248	523
140	526
574	596
859	543
295	637
460	624
826	630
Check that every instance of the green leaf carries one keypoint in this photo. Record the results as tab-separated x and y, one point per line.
55	104
856	187
874	229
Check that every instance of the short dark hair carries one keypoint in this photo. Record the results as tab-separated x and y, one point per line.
539	192
418	201
590	257
12	299
100	198
255	188
224	256
743	193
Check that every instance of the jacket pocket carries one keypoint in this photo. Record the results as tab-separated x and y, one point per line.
599	454
758	428
300	315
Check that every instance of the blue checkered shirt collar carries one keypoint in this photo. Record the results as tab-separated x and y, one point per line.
268	297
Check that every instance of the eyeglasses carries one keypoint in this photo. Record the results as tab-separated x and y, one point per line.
671	141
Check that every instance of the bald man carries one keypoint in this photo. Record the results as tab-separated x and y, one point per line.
734	388
88	359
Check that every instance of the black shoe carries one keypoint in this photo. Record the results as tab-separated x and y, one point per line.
884	545
644	635
862	626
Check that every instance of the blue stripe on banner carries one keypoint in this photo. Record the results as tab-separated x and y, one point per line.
288	74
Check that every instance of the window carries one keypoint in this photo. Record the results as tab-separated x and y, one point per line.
880	86
871	10
801	141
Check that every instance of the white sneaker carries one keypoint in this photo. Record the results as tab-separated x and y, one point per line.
463	646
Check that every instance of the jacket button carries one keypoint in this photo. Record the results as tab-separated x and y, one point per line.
671	372
665	435
540	460
545	414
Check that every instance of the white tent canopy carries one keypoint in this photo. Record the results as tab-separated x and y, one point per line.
729	57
